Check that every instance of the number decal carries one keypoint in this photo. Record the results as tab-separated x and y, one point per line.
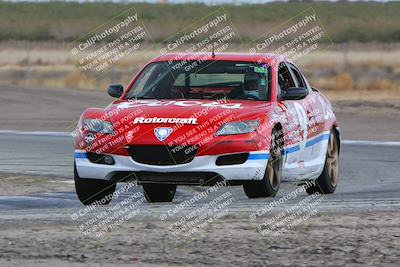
302	120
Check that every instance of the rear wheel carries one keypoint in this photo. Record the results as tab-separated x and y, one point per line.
93	190
159	192
327	181
269	185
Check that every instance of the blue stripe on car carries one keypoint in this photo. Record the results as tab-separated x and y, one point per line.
308	144
258	156
80	155
292	149
317	140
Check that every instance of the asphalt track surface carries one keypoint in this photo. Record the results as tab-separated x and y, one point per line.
369	179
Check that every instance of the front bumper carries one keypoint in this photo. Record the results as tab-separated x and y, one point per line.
201	168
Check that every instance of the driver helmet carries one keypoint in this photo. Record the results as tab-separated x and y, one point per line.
251	84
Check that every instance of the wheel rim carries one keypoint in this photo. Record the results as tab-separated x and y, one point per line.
333	159
274	166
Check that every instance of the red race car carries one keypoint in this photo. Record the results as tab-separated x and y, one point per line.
201	119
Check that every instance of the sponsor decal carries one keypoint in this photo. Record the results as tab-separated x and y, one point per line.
260	70
129	136
142	120
162	133
183	103
89	138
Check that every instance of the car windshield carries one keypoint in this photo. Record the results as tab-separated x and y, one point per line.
201	80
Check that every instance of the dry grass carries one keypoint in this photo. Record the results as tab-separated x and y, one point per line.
343	81
392	96
330	69
380	85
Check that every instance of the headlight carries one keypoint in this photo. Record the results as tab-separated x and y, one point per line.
97	126
241	127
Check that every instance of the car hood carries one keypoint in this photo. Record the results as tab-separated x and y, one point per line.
203	111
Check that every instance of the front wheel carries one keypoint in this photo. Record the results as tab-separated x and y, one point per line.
327	181
159	192
269	185
93	190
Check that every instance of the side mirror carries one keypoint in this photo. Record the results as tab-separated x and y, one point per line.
294	93
115	90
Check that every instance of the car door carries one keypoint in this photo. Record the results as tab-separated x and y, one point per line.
296	126
312	147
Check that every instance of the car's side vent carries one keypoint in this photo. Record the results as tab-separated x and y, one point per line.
232	159
100	158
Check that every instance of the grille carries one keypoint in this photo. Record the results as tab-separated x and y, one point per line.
162	155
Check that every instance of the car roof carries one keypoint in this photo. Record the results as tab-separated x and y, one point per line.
270	59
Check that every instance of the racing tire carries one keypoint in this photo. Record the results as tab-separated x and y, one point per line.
326	183
269	185
93	190
159	192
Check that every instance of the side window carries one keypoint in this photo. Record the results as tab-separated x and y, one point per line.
285	80
298	77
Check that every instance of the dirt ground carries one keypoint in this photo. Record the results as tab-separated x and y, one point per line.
368	239
363	115
31	184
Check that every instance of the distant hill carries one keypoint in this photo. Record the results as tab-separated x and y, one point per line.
361	21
